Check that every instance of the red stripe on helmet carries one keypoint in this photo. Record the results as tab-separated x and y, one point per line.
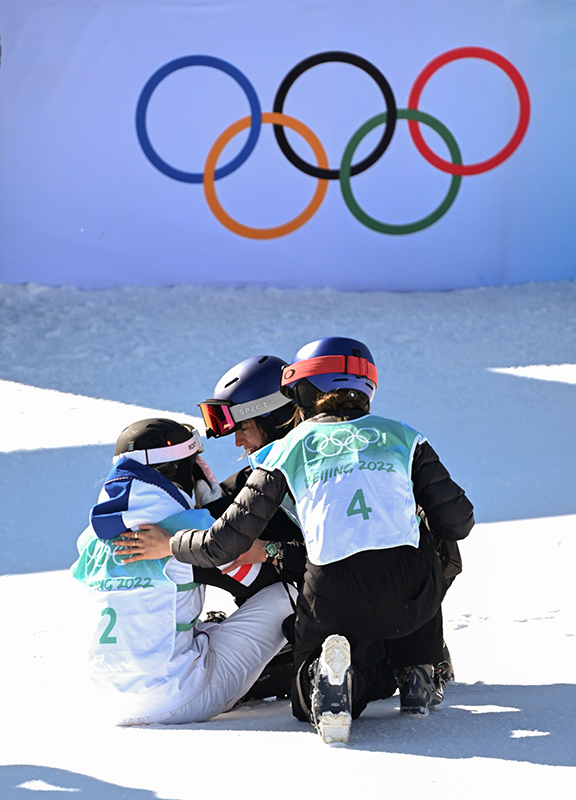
321	365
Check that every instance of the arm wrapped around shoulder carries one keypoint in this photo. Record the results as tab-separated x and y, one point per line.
242	522
449	513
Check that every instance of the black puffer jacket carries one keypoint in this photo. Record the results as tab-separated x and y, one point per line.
280	528
448	512
233	533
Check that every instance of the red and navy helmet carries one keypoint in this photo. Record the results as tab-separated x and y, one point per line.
335	362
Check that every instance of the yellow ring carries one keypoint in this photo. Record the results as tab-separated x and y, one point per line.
278	230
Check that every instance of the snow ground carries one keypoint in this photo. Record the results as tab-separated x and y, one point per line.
487	374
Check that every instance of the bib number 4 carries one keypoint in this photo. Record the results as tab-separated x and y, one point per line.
358	505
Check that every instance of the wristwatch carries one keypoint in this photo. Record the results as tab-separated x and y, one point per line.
273	550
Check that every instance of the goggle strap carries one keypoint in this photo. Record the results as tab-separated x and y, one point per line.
321	365
160	455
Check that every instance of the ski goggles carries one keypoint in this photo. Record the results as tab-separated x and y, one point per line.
217	416
223	417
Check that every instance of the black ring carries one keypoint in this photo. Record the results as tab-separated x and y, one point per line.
383	85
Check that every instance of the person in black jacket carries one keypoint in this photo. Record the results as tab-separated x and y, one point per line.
247	403
373	581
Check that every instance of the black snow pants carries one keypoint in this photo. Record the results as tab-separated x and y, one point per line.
386	603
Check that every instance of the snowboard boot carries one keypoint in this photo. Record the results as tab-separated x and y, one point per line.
445	668
275	679
331	695
421	688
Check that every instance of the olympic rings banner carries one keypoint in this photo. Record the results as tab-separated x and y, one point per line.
288	143
320	170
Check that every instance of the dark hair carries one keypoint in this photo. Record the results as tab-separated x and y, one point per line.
338	399
276	424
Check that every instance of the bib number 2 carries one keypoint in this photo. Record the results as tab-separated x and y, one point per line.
106	638
358	505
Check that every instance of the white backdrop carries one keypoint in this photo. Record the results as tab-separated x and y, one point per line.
82	203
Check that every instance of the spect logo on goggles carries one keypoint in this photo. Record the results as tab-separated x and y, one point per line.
321	170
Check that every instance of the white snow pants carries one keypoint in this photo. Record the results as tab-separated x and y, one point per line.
234	653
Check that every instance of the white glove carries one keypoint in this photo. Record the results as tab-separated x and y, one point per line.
206	489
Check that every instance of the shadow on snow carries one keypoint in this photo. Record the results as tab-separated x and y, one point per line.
16	779
532	724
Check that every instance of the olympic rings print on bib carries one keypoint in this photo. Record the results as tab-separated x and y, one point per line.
341	440
321	171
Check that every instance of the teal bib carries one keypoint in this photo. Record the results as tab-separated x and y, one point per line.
133	612
351	482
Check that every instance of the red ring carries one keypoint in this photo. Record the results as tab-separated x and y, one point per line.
517	136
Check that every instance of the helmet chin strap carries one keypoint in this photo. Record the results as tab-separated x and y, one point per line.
179	472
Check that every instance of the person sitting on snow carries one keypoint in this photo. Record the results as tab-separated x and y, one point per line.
151	658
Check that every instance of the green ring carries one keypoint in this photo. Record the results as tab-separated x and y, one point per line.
412	227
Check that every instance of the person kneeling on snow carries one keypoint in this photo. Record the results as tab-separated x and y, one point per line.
151	658
373	582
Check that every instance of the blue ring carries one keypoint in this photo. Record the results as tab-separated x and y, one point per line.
146	94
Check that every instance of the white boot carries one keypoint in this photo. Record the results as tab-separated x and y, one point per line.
331	699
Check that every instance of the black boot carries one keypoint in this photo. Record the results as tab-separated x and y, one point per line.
421	688
445	668
276	678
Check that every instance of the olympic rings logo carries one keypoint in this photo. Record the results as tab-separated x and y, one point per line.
341	439
99	553
321	171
